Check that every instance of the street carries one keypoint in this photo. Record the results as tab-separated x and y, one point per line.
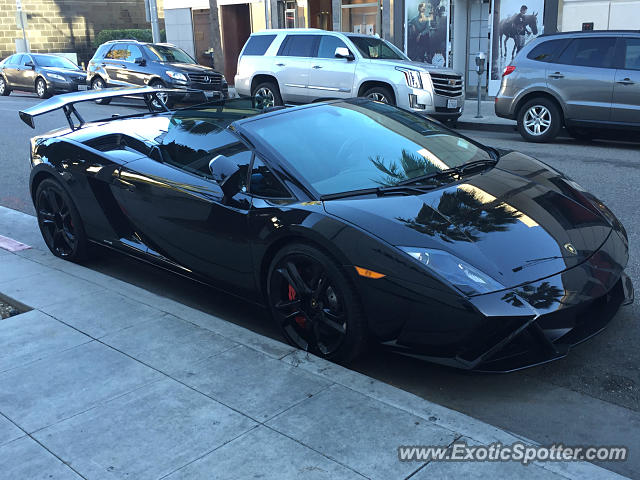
590	397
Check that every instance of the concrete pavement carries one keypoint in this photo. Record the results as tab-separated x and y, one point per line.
102	379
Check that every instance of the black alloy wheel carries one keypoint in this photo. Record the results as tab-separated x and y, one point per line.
60	222
315	305
380	94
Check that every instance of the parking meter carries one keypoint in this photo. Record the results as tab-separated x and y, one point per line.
481	60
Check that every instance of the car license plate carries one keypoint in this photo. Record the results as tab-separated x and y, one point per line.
452	103
210	93
82	87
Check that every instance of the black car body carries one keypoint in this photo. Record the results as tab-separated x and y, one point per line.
41	73
130	63
496	263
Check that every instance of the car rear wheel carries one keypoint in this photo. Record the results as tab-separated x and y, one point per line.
4	88
315	305
539	120
379	94
98	84
268	93
41	88
60	222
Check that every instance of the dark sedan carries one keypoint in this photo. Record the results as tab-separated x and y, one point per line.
352	220
44	74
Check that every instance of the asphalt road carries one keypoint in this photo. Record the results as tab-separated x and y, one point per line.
592	397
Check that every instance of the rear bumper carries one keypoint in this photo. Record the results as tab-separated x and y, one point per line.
504	107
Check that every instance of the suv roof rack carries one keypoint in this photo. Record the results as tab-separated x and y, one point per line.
124	40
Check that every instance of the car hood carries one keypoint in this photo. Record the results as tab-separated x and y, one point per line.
418	65
191	68
517	222
64	71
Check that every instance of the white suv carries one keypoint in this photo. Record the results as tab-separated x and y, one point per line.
305	65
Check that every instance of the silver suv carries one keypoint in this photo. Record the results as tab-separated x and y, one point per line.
586	81
305	65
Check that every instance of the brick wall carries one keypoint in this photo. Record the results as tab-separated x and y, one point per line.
68	25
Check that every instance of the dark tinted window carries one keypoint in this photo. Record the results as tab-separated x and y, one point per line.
258	44
590	52
328	45
546	51
264	183
632	54
298	46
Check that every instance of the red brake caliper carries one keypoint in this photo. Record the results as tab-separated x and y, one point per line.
300	320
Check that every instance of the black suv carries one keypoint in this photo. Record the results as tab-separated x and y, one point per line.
125	63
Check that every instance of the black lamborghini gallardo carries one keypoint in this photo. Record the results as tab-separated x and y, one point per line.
353	220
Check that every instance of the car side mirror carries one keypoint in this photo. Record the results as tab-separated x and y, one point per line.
29	64
140	61
343	52
222	170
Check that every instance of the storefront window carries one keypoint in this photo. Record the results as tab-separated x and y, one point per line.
290	15
361	16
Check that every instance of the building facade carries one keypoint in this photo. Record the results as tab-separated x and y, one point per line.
67	26
444	32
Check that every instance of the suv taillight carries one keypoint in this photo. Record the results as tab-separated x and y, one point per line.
509	69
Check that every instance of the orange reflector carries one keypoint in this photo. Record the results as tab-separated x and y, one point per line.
363	272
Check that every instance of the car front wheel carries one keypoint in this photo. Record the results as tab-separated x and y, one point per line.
267	94
41	88
98	84
4	88
314	304
379	94
539	120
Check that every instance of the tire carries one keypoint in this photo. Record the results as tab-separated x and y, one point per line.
41	88
166	98
380	94
539	120
98	84
4	88
59	221
315	305
270	94
582	134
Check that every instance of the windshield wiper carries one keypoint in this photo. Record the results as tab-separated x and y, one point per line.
379	191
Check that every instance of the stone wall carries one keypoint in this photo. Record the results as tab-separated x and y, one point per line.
68	25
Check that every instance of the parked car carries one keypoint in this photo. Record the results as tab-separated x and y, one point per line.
305	65
41	73
586	81
351	220
127	63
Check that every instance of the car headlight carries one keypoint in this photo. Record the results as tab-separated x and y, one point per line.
176	75
55	76
466	278
412	77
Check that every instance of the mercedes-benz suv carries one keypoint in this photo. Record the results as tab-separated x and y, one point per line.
305	65
125	63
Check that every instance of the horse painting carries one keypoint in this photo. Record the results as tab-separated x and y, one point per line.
509	29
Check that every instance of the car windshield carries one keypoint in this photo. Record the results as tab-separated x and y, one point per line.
376	48
164	53
53	61
360	144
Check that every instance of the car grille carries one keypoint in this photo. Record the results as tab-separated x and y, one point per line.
206	81
447	85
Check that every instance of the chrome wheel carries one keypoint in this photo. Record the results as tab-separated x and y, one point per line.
97	85
56	224
537	120
41	88
378	97
3	86
267	97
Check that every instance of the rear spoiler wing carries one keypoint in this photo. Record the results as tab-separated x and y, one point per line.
67	102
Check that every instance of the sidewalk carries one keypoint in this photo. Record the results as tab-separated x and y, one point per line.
102	379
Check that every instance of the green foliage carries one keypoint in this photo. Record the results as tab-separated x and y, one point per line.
143	35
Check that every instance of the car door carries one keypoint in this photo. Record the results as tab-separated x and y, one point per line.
182	215
626	89
583	77
27	73
292	64
113	64
132	73
10	69
331	77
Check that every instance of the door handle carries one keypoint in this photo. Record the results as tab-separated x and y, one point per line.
317	66
556	75
626	81
279	64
